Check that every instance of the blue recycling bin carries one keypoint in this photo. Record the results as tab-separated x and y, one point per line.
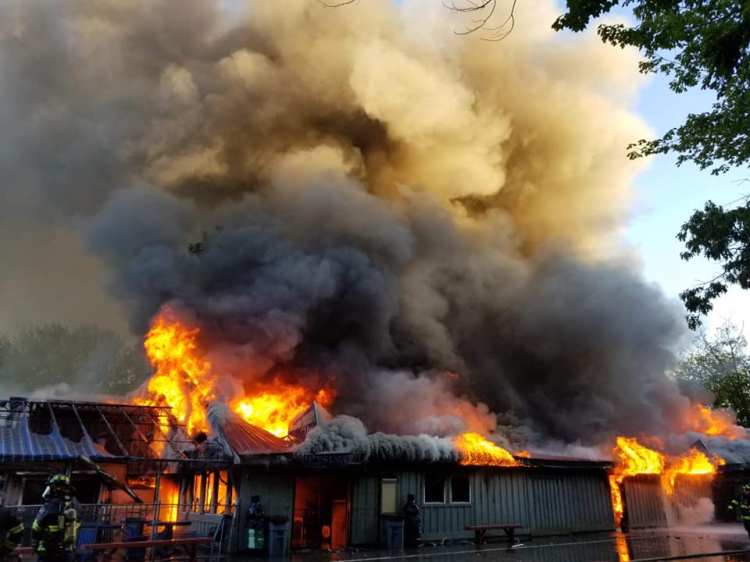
133	531
394	532
88	533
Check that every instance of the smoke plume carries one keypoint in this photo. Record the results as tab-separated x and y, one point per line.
355	196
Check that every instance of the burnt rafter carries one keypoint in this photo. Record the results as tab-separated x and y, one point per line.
112	431
64	430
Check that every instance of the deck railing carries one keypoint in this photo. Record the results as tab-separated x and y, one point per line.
111	519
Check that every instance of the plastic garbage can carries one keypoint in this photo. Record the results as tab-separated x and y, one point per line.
394	533
278	539
133	531
88	533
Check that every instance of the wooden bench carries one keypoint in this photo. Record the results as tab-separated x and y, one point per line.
480	531
190	545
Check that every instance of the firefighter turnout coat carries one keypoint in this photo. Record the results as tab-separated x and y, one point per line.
55	529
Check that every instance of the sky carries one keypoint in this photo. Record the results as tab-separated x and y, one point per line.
666	195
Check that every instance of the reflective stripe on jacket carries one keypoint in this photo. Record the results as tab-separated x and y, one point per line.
56	526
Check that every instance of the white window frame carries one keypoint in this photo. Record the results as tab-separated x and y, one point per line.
450	490
445	491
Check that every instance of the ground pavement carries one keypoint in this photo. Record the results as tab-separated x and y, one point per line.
678	543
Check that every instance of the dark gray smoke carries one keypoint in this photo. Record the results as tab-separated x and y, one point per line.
575	351
354	198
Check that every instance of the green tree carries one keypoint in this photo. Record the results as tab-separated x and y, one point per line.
704	44
721	365
86	358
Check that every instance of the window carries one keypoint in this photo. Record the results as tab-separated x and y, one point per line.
460	489
434	488
388	495
197	492
223	496
210	482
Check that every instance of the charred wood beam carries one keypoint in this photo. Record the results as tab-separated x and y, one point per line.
53	418
124	451
80	421
169	440
135	427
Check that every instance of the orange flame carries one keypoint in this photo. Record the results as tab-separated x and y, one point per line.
476	450
703	419
276	406
632	458
184	380
621	545
616	496
181	378
694	463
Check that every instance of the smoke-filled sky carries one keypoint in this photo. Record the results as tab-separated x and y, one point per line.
431	222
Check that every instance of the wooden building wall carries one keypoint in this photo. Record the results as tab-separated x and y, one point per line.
544	501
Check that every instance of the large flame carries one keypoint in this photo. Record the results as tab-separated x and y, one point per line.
702	419
632	458
185	380
276	405
181	376
693	463
476	450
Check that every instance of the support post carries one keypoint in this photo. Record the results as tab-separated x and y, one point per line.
155	509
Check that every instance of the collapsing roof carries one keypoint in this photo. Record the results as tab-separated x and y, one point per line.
242	439
58	430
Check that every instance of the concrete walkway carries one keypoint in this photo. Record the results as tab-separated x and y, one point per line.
681	543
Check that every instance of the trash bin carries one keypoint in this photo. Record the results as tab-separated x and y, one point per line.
278	537
256	538
88	533
394	532
133	531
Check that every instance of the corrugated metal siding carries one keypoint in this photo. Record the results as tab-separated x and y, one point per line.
365	509
644	502
570	502
276	493
541	501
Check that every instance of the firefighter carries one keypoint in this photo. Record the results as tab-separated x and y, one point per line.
412	522
55	530
11	533
742	507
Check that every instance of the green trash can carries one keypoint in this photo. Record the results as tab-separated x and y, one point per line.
256	538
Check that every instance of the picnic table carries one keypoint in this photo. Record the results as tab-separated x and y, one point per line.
480	531
190	545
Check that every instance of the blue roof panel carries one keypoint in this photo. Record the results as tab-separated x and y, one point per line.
19	444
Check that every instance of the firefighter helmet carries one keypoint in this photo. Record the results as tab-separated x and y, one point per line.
57	485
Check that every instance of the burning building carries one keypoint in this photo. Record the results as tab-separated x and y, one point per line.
350	208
